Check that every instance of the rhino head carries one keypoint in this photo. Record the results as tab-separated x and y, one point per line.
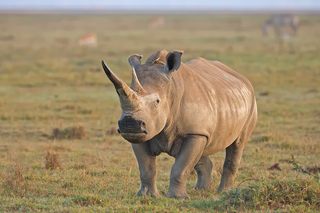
145	103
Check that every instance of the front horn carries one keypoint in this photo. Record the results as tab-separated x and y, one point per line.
117	82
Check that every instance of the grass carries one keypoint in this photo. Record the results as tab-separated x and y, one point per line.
291	195
59	150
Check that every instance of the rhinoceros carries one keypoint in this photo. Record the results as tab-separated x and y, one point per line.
187	110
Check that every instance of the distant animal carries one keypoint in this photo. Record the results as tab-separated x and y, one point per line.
157	22
187	110
284	26
89	39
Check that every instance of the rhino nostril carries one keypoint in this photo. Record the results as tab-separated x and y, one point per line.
143	124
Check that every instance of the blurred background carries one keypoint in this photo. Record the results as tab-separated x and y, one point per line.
59	149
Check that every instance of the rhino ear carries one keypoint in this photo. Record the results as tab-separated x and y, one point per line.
135	60
174	60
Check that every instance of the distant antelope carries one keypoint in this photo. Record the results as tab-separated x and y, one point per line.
284	26
157	22
89	39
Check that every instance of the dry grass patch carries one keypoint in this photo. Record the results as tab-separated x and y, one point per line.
14	181
60	148
52	160
76	132
79	166
261	139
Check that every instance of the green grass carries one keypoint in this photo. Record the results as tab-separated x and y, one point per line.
289	195
48	82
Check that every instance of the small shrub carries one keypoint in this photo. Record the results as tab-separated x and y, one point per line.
261	139
52	160
76	132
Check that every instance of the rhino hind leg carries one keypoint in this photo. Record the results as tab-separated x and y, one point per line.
231	164
204	170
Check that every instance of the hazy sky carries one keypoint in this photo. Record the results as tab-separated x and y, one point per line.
162	4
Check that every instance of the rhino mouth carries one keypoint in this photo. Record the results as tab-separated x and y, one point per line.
134	137
142	132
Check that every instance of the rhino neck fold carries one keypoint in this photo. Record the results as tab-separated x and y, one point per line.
175	95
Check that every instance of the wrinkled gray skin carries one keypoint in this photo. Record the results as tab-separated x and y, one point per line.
190	110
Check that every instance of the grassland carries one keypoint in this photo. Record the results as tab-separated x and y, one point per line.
48	82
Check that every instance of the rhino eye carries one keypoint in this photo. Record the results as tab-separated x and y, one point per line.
158	101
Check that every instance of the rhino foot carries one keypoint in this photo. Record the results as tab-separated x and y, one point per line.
178	195
222	188
148	192
203	186
204	169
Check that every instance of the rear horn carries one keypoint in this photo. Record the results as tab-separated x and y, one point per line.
135	62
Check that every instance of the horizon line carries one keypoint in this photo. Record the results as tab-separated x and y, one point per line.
146	10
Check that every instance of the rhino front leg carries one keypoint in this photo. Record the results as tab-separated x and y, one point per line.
188	156
204	169
147	167
231	164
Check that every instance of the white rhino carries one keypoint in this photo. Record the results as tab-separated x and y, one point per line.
188	110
